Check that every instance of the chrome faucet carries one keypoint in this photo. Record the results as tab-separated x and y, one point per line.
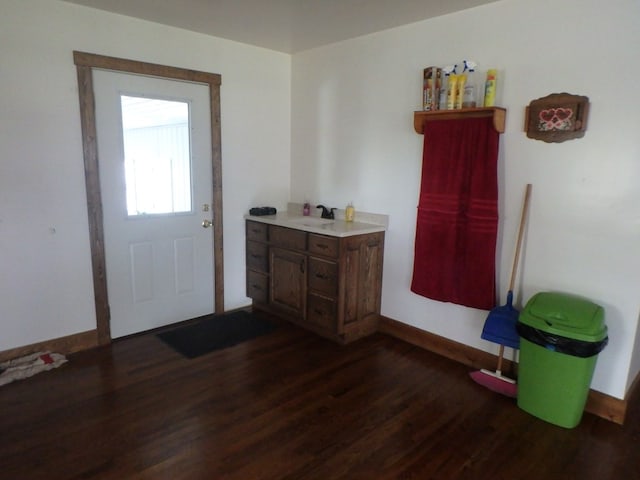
326	212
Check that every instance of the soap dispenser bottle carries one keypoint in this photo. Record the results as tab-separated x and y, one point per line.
349	213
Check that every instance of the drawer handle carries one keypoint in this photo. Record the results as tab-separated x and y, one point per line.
302	266
321	276
318	312
322	246
257	287
255	255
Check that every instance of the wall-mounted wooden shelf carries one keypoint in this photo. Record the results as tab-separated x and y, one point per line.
498	114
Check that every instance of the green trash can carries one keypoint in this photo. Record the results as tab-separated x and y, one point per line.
560	338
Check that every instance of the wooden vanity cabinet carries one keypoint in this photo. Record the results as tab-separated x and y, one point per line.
330	285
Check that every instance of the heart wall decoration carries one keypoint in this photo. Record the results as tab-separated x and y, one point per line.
557	117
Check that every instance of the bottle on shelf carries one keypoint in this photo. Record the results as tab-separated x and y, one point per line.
462	82
469	96
490	88
444	85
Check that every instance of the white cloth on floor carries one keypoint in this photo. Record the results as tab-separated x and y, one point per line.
29	365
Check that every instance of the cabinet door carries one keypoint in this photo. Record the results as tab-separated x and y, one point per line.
362	276
288	281
371	275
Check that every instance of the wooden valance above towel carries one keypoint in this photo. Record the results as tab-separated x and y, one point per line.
498	114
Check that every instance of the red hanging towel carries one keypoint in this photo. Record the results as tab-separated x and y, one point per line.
457	219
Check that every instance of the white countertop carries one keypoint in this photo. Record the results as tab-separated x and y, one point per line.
315	224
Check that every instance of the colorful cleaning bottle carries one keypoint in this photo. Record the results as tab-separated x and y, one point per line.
490	88
446	71
452	89
460	86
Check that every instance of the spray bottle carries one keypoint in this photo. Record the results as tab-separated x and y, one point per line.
452	89
469	96
446	71
462	81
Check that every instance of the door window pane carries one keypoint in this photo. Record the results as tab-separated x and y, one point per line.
156	155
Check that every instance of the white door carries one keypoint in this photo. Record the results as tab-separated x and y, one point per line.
154	138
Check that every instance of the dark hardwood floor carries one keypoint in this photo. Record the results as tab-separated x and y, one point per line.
289	405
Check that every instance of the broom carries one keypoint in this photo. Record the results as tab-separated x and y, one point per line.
500	325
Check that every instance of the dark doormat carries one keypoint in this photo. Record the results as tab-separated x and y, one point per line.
214	332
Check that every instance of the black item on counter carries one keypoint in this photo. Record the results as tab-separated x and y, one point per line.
260	211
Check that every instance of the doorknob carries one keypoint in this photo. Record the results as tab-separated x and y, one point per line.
207	223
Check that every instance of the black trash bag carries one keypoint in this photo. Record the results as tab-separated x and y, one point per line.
557	343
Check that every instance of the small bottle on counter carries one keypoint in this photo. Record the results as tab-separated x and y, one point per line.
306	209
349	213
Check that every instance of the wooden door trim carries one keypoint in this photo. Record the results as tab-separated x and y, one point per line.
85	63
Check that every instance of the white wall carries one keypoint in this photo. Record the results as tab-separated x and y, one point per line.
352	139
46	284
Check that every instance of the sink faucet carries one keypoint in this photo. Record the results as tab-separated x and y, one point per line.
327	213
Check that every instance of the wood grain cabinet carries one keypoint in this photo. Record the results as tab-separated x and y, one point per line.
257	251
330	285
288	280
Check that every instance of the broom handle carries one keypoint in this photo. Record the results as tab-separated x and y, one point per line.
523	217
500	357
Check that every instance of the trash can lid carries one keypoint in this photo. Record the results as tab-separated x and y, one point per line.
567	315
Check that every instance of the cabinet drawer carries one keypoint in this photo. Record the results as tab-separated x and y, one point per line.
321	312
288	238
257	231
323	276
257	286
258	256
323	245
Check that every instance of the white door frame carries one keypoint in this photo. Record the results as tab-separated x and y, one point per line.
85	62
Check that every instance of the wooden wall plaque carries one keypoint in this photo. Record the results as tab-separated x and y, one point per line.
557	117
